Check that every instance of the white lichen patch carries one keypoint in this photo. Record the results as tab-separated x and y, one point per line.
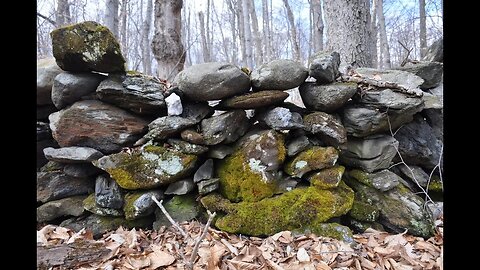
256	166
150	156
300	164
170	166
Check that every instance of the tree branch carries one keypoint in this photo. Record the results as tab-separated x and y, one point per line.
199	239
47	19
175	224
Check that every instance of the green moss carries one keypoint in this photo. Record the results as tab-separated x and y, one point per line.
314	158
52	166
435	185
363	211
332	230
361	177
327	178
181	208
90	205
128	206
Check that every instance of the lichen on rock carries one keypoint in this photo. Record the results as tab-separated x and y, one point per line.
314	158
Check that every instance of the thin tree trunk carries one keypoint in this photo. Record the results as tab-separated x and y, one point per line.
208	33
374	33
222	35
111	16
123	27
248	33
147	24
167	45
256	34
62	14
233	22
423	28
317	25
266	31
385	50
293	31
351	18
241	31
205	50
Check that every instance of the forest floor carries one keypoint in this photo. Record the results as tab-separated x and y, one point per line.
61	248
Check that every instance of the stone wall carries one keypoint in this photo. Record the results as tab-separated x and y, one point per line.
221	138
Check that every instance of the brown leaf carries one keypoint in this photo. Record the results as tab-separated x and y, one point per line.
244	265
159	258
323	266
302	255
138	262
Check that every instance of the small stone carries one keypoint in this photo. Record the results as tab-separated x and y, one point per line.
280	118
181	187
57	185
326	98
324	66
280	74
327	127
219	151
327	178
286	185
90	205
207	186
314	158
186	147
297	145
224	128
181	208
47	70
192	136
254	100
166	126
68	88
430	72
72	154
205	171
414	173
71	206
140	204
81	170
108	193
382	180
174	104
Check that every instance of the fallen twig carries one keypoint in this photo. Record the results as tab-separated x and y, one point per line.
199	240
175	224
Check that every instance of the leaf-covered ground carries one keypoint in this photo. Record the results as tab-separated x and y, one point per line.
166	249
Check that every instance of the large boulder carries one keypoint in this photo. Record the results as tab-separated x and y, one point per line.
251	172
69	88
56	185
47	70
212	81
280	74
95	124
87	46
72	154
224	128
326	98
148	167
314	158
326	127
403	78
324	66
430	72
71	206
254	100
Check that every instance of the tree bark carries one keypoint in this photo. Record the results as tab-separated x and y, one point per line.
205	50
62	14
111	16
266	31
317	25
256	34
348	30
233	21
248	33
241	31
384	48
293	31
167	45
423	28
374	33
123	27
70	256
147	24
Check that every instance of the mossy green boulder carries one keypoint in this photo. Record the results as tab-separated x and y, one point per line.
382	180
251	172
300	209
363	211
327	178
87	46
180	208
140	204
147	167
332	230
314	158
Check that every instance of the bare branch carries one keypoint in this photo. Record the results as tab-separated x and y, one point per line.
175	224
47	19
199	239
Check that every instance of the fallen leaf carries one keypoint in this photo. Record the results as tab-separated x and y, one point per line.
302	255
159	258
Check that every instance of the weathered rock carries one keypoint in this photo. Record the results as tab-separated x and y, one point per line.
47	70
435	121
41	160
81	170
181	187
165	126
418	144
52	166
72	154
71	206
44	111
139	93
224	128
326	98
90	205
324	66
192	136
174	104
382	180
140	204
297	145
181	208
326	127
69	87
87	46
254	100
403	78
280	74
196	111
327	178
300	208
207	186
314	158
186	147
57	185
108	193
286	184
99	225
432	101
251	172
360	226
435	51
332	230
362	211
369	154
205	171
415	174
212	81
219	151
430	72
95	124
280	118
146	168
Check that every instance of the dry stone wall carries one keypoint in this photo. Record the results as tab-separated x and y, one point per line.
220	137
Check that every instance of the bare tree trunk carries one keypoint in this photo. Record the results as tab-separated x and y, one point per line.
248	33
205	50
266	31
222	35
293	31
111	16
257	38
317	25
233	22
351	18
62	14
241	31
208	36
167	45
423	28
147	24
384	48
374	33
123	27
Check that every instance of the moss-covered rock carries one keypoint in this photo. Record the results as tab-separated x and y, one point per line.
251	172
314	158
299	209
90	205
360	226
363	211
140	204
181	208
382	180
87	46
148	167
327	178
332	230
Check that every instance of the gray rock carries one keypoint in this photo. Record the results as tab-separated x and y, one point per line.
186	147
219	151
166	126
99	225
224	128
69	87
382	180
44	111
53	166
41	160
90	205
435	120
435	51
140	204
87	46
57	185
326	98
196	111
174	104
370	154
71	206
403	78
192	136
181	208
205	171
212	81
436	208
326	127
280	118
418	144
92	123
108	193
47	70
286	185
43	131
207	186
140	94
72	154
432	101
81	170
430	72
254	100
297	145
280	74
324	66
415	174
181	187
311	159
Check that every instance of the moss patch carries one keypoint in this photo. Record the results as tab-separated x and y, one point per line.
327	178
314	158
363	211
332	230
